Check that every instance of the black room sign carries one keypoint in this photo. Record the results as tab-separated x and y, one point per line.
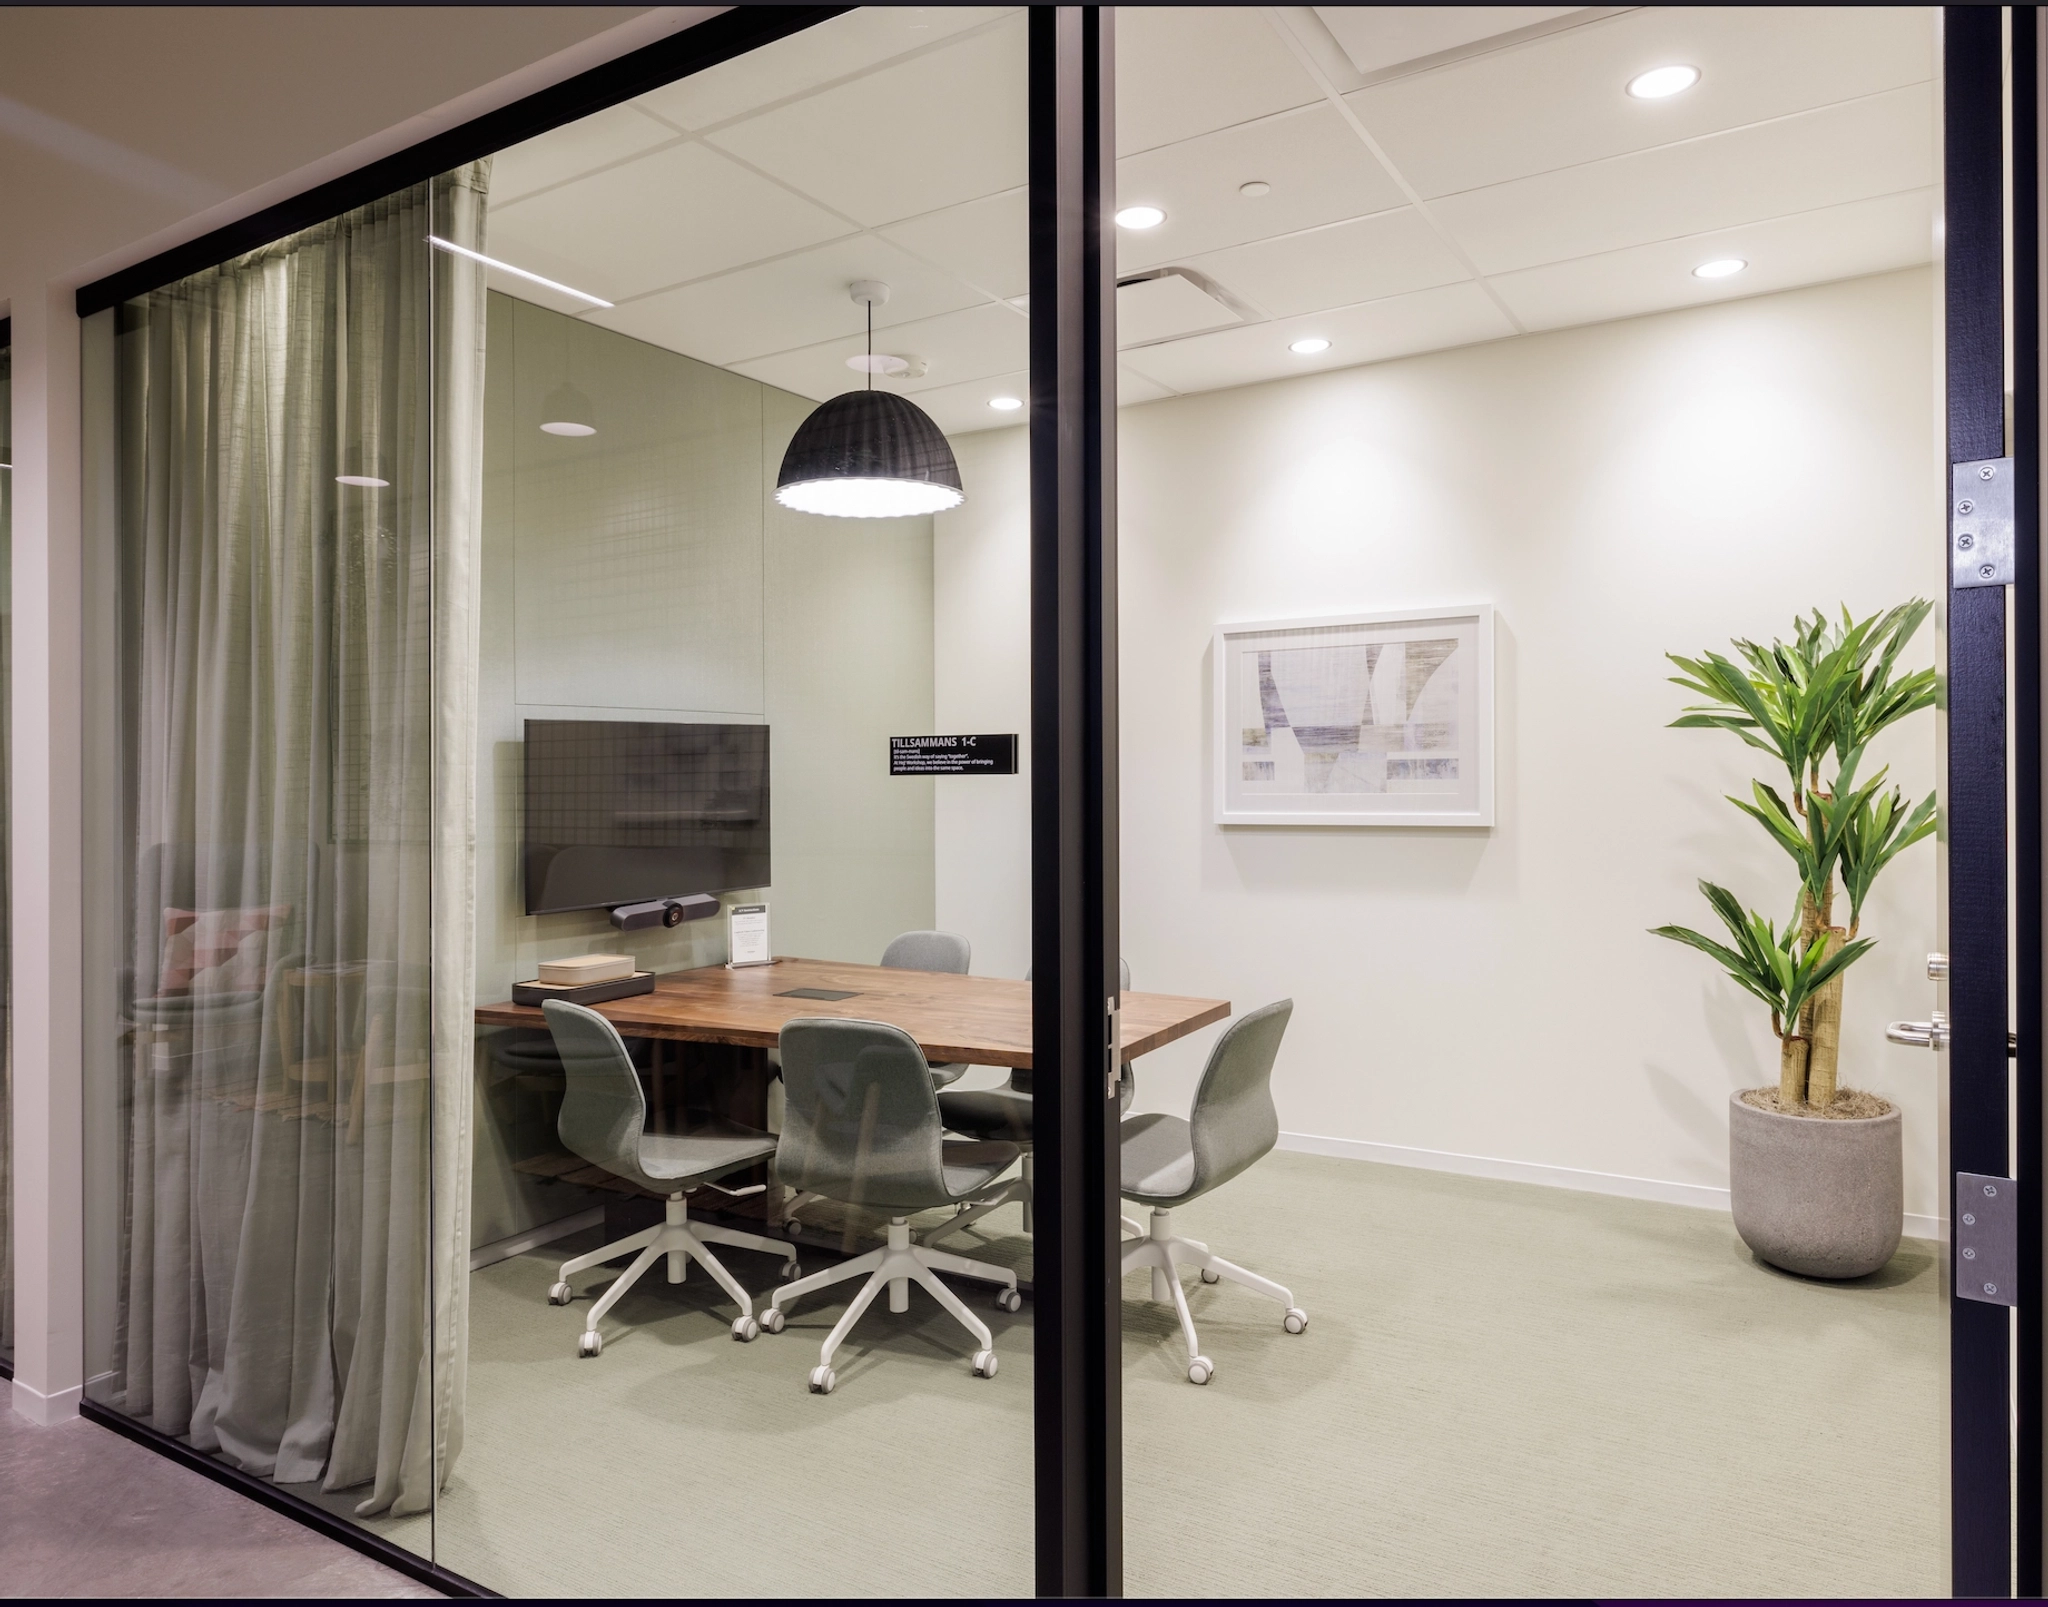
954	756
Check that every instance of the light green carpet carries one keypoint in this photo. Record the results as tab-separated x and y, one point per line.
1504	1390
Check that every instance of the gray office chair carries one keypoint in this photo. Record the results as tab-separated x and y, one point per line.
861	1124
1004	1114
604	1120
1167	1162
932	951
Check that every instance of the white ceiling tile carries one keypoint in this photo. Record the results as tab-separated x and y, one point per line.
963	408
574	148
678	214
975	343
1166	308
1892	231
1562	99
1425	320
1317	167
1188	70
793	301
854	42
1386	254
985	242
941	128
1880	145
1379	37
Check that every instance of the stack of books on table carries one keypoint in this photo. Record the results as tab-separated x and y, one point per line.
585	979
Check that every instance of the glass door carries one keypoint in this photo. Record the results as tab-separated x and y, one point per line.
1481	376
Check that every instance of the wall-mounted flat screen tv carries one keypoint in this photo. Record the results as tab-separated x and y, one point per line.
626	811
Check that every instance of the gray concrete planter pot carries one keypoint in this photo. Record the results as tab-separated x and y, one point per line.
1814	1196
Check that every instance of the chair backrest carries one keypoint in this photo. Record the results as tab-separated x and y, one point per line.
1234	1121
927	951
603	1110
860	1121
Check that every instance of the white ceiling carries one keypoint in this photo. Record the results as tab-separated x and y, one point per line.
1439	175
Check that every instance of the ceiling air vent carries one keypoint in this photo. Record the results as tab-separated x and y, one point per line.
1167	305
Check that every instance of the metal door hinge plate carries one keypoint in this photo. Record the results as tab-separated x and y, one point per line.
1980	522
1987	1239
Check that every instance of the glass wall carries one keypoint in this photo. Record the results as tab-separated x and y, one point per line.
522	589
1469	373
689	680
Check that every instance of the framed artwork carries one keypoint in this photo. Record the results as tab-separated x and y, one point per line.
1356	720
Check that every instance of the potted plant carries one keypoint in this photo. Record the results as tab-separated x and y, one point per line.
1815	1170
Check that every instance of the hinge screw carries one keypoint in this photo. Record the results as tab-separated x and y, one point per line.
1991	1288
1966	541
1986	472
1985	571
1966	506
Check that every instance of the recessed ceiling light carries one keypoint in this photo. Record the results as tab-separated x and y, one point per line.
1309	345
361	479
1719	268
1255	188
506	267
1005	404
1659	83
1140	217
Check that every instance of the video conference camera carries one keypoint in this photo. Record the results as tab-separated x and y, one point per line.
664	912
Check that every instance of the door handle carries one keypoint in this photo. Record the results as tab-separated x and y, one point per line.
1920	1034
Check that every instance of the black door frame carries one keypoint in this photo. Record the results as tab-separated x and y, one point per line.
1074	940
1994	1406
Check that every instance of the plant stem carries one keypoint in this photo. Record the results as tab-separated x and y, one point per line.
1791	1072
1823	1058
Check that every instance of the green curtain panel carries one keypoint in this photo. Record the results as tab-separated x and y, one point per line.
299	468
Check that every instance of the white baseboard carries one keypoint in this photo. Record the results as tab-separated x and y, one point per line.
1704	1196
533	1238
45	1411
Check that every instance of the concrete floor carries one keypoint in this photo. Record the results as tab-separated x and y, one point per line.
84	1512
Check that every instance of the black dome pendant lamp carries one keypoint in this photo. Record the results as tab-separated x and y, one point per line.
868	454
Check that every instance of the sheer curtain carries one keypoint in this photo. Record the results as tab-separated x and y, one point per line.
6	861
297	625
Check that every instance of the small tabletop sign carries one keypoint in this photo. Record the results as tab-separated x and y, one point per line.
746	936
954	756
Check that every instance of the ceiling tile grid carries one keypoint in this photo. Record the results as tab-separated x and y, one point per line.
1432	177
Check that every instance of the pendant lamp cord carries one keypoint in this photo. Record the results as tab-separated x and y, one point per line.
871	345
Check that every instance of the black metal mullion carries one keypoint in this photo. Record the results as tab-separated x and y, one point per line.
1078	1401
1980	1486
2024	143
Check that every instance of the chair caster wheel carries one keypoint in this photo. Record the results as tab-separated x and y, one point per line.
1211	1277
822	1380
1296	1320
591	1344
560	1295
792	1230
772	1320
1201	1370
1009	1300
984	1364
791	1272
745	1328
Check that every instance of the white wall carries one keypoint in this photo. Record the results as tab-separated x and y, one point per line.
1616	491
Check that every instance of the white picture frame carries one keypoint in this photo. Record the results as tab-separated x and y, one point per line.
1427	759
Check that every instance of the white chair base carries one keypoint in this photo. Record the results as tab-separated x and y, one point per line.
897	1265
682	1241
1017	1188
1165	1254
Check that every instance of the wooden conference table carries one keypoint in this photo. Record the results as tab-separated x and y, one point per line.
985	1021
